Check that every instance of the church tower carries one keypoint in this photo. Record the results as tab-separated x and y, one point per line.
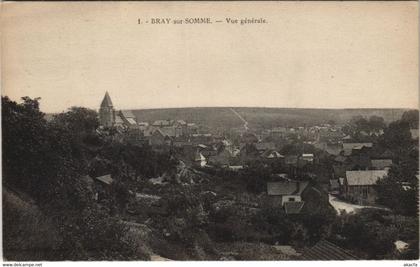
106	112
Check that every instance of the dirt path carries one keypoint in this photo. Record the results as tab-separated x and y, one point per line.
348	207
241	118
156	257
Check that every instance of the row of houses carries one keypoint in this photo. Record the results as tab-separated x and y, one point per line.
357	169
225	156
324	132
159	132
357	166
346	145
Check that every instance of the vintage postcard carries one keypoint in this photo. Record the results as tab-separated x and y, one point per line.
210	131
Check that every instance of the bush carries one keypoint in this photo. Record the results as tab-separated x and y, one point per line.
370	234
93	235
27	233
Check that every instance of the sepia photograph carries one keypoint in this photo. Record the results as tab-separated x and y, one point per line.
210	131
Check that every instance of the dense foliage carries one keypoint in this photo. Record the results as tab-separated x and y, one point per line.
371	234
399	190
49	160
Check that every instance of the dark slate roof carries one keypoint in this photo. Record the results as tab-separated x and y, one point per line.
381	164
118	120
106	102
293	207
128	114
148	131
302	187
348	147
281	188
338	170
325	250
106	179
285	188
157	131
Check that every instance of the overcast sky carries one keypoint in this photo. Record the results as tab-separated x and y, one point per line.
309	54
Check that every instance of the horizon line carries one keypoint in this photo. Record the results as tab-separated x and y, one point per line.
268	107
250	107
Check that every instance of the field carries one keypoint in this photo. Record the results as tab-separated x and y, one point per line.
263	117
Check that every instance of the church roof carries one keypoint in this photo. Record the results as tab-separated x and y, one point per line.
106	102
128	114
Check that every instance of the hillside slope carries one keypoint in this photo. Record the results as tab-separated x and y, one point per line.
27	233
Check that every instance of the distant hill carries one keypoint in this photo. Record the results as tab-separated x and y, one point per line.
223	117
263	117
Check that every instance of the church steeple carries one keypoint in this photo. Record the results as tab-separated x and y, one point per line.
106	102
107	112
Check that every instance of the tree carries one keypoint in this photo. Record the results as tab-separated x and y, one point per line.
376	123
274	222
256	176
47	161
24	131
332	122
412	118
297	148
92	234
399	192
397	138
80	124
317	222
78	119
359	124
369	233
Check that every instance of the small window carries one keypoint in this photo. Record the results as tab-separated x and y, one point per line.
291	199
